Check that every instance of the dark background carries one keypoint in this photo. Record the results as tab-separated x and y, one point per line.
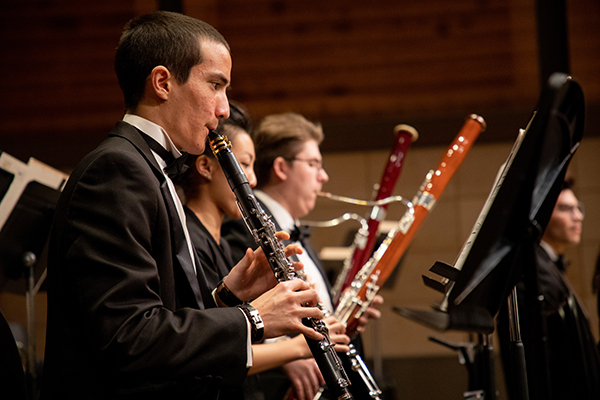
359	67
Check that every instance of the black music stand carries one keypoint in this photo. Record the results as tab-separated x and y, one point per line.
513	219
29	194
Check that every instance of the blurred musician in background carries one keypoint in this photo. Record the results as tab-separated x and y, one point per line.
130	313
208	198
570	368
289	174
596	288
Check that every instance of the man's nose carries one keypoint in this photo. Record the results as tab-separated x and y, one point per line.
323	175
222	107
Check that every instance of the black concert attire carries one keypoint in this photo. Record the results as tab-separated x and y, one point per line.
596	288
130	312
215	257
560	351
216	261
275	382
12	375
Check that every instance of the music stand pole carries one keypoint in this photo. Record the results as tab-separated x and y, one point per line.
29	259
517	351
539	382
486	367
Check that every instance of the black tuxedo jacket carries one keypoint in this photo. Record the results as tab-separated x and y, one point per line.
125	318
561	356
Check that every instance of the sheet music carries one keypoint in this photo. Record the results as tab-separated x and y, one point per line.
23	173
500	176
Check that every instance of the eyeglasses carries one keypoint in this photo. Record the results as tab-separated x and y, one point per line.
570	208
312	162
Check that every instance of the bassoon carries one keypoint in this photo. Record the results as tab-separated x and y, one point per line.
367	282
364	240
263	230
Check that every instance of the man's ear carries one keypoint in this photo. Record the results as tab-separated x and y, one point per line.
160	81
281	168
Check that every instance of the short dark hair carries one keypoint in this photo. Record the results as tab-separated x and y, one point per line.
160	38
568	183
281	135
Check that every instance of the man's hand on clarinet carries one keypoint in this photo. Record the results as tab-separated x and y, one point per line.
253	275
283	307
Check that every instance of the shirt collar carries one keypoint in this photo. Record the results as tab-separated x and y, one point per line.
550	250
281	215
153	130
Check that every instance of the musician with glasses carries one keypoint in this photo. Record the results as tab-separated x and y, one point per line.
289	171
596	287
572	365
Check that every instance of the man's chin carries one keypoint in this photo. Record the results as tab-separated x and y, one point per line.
198	149
309	209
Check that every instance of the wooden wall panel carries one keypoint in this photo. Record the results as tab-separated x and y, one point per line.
360	67
584	28
348	59
349	64
62	95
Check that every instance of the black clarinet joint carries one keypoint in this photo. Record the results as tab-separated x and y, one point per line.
263	231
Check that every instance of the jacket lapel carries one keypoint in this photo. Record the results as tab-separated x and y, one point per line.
181	258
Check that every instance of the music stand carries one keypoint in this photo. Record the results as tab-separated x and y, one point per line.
29	194
514	217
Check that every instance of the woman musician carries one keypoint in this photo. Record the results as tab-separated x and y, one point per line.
208	199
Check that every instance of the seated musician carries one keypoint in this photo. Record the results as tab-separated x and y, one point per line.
208	199
561	356
289	174
130	313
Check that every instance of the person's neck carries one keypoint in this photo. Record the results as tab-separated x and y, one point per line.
155	113
209	214
147	111
558	248
277	193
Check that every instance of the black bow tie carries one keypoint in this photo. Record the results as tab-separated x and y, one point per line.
175	166
561	263
300	233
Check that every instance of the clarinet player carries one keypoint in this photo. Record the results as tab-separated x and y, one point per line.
130	314
208	198
289	173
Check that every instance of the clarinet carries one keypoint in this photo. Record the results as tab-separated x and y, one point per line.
263	230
